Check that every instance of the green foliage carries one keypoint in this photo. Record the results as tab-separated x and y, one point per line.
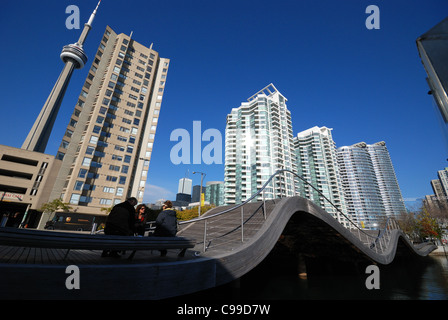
428	226
421	224
106	210
55	205
191	213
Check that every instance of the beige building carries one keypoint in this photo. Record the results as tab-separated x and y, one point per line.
107	147
26	179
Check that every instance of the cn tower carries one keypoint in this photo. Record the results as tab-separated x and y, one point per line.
74	57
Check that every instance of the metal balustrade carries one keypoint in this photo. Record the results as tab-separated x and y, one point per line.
377	243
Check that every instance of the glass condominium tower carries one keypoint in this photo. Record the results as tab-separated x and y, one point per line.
106	149
370	186
361	191
258	142
387	180
317	164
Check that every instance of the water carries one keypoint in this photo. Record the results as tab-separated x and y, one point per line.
425	279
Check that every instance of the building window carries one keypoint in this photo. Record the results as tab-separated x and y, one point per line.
122	180
86	162
90	150
78	185
109	190
93	140
73	123
74	199
105	201
69	133
60	155
82	173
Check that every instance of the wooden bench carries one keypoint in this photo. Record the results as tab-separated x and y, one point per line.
64	240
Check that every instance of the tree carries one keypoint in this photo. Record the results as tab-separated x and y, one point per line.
408	224
191	213
55	205
421	223
106	210
49	209
428	226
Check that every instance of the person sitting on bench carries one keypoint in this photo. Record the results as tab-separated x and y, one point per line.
166	223
120	222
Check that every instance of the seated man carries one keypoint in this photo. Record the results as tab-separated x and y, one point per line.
120	222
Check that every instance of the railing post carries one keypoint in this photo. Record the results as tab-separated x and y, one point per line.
264	205
242	224
205	233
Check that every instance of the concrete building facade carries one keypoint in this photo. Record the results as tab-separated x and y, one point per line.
107	147
26	179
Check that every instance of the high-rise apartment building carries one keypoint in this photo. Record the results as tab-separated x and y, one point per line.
258	142
439	200
185	185
438	189
184	190
387	180
107	146
443	178
317	164
361	191
369	183
214	193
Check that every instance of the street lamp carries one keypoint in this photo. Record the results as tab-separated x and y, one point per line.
200	191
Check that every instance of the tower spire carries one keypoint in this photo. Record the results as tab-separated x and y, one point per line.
92	16
74	57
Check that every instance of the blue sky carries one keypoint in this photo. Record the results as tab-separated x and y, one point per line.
368	85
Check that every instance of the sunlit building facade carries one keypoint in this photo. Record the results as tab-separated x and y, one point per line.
106	149
360	186
317	165
387	180
258	142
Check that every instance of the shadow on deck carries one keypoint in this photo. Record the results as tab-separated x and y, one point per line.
232	250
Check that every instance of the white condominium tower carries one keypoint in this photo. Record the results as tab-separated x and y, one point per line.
108	143
387	180
258	142
361	191
317	164
370	186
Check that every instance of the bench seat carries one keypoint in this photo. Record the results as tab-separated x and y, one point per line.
66	240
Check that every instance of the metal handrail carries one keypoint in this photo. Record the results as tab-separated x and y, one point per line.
382	234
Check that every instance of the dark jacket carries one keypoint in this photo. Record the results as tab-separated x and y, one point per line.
166	224
121	220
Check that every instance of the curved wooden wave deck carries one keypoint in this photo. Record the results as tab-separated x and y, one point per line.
230	254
